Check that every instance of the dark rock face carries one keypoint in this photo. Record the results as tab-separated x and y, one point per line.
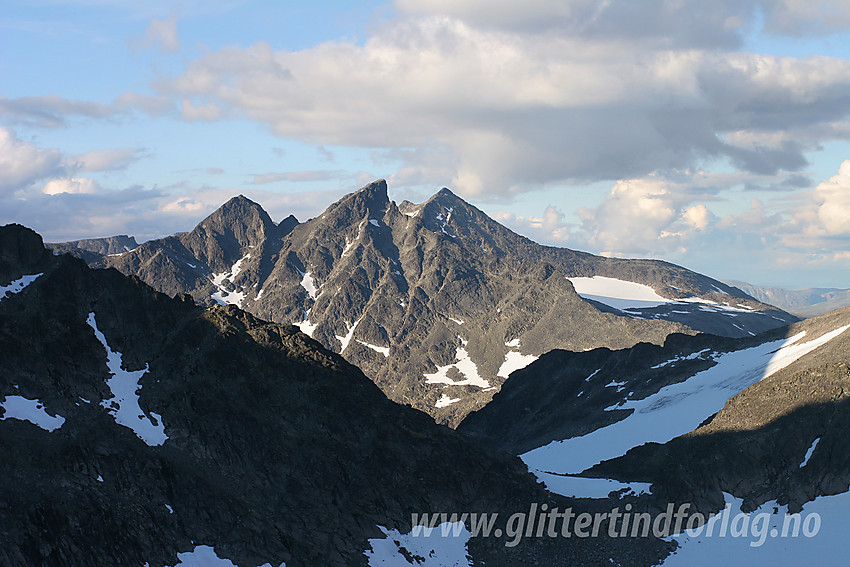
277	449
436	302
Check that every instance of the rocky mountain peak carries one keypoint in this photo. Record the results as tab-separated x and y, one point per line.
240	217
370	200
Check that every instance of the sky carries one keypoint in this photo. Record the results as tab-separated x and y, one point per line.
715	135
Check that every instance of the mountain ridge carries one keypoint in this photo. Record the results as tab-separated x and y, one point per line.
437	302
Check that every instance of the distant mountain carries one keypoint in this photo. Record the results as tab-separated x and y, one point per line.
109	245
134	427
808	302
436	302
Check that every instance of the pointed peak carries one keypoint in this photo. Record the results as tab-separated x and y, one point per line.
240	218
371	199
374	193
445	196
239	207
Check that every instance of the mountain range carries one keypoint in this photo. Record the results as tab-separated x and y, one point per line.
807	302
159	406
139	429
436	302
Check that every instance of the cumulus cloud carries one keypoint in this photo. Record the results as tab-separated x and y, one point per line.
23	163
518	109
832	201
70	185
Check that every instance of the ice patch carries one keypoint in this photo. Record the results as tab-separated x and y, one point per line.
445	401
809	452
595	372
464	365
373	222
381	349
17	285
24	409
441	546
205	556
513	362
675	409
124	404
349	335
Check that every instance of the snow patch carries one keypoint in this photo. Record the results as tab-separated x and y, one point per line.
441	546
582	487
513	362
825	548
124	404
306	327
205	556
628	296
24	409
457	321
675	359
349	335
445	401
383	350
17	285
675	409
809	452
309	284
512	343
464	365
619	294
222	296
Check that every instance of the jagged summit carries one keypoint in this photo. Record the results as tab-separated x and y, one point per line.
436	302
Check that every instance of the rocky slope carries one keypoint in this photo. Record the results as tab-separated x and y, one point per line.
135	426
783	439
696	418
436	302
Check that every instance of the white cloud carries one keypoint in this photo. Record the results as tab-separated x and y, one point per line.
163	34
207	112
832	199
70	185
22	163
516	109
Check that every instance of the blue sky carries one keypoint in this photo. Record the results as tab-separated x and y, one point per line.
709	134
